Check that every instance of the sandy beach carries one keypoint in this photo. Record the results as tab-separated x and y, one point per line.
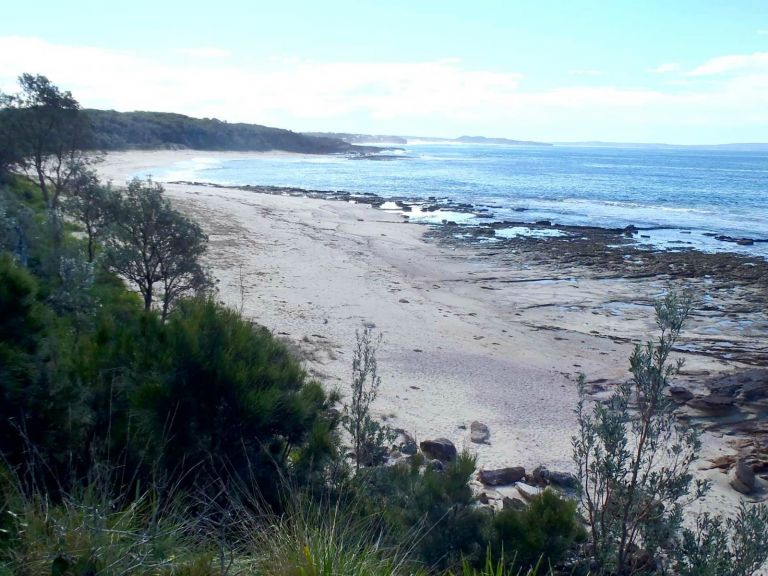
468	334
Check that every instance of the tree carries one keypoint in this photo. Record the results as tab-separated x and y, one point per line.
49	132
154	247
91	203
632	455
180	269
10	155
368	435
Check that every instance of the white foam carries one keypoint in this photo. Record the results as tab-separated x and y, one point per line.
522	231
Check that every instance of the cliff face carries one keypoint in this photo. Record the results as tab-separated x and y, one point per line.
125	130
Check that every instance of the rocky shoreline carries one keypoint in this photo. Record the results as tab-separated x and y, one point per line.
731	289
606	251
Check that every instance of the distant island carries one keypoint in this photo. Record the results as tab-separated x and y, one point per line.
112	130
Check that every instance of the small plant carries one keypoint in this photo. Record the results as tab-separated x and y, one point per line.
368	435
735	547
633	457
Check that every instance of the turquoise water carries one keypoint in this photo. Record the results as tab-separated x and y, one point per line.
682	194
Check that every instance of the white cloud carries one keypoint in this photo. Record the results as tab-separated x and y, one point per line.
665	68
129	81
205	52
585	72
763	32
732	63
440	97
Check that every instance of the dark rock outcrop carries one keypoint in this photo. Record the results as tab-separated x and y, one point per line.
502	476
742	477
439	449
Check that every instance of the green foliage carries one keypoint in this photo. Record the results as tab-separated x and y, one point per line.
154	247
498	567
92	205
320	539
369	436
91	532
226	397
737	546
433	507
540	534
47	132
634	457
89	377
121	130
21	333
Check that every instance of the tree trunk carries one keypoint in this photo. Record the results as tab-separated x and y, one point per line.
148	298
90	247
43	186
166	306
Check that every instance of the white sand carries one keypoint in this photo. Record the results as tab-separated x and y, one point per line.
460	344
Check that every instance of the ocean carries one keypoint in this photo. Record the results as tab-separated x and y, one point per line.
680	198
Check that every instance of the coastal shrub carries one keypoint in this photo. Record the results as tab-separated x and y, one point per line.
40	414
737	546
430	506
92	205
21	329
633	456
226	398
369	436
538	535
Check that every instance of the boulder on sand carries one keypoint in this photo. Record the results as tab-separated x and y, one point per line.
502	476
439	449
541	476
742	477
479	433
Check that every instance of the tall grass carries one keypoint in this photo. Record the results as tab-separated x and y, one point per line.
318	538
91	532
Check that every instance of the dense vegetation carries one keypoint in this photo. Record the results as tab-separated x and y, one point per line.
147	429
123	130
43	133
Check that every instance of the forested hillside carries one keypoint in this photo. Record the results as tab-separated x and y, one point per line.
124	130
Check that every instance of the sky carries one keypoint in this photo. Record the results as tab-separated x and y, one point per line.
673	71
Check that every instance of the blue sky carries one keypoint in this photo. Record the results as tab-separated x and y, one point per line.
676	71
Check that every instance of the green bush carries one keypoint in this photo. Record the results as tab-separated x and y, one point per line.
736	546
433	508
540	534
225	398
21	329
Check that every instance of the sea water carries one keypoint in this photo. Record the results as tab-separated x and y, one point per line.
681	197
